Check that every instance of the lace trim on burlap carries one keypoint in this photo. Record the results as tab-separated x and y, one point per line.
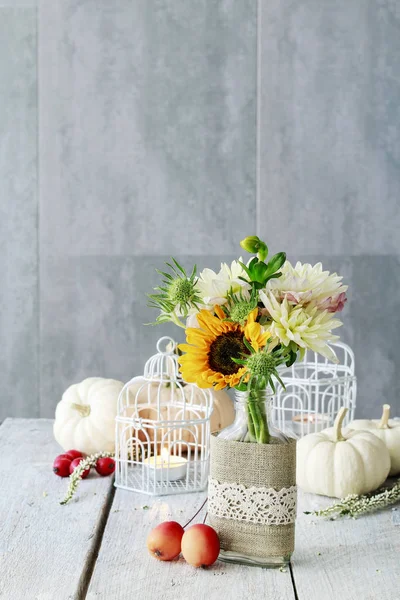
254	505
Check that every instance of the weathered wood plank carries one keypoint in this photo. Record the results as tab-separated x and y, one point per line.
350	559
46	550
124	569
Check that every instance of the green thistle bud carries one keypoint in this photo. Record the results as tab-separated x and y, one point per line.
181	291
262	365
240	311
176	296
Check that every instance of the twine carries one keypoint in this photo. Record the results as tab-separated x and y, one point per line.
259	465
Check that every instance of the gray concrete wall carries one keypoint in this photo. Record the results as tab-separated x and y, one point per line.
19	283
129	133
329	163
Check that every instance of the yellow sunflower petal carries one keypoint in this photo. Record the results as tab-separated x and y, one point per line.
220	386
190	348
255	335
197	333
218	310
252	316
208	322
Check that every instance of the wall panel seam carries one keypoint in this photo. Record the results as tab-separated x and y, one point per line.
38	240
258	114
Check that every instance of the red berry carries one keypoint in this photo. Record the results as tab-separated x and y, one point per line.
75	463
105	466
74	454
61	466
64	456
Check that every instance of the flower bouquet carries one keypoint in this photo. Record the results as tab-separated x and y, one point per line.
241	325
245	321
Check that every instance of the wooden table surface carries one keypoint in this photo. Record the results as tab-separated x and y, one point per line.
94	547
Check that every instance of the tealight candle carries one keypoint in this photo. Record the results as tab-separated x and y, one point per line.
165	466
312	423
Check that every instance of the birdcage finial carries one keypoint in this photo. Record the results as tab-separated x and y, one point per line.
163	366
170	345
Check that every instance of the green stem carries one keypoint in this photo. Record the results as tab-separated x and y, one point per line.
264	433
254	416
250	423
257	422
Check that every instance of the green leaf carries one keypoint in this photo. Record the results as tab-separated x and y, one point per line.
242	387
243	279
164	274
253	262
172	269
238	361
245	269
280	381
291	359
182	270
193	273
248	345
276	262
259	272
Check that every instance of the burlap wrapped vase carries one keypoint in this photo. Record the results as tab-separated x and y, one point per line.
252	500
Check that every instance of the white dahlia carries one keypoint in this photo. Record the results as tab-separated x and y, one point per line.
214	287
306	326
305	283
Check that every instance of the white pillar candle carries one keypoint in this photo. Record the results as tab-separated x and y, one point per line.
165	466
310	423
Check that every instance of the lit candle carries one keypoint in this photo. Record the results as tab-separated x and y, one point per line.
312	423
166	467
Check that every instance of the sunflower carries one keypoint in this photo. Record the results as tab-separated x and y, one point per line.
210	349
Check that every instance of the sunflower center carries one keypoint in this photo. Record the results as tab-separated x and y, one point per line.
225	347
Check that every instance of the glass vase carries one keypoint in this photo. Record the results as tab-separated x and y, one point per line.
253	419
252	485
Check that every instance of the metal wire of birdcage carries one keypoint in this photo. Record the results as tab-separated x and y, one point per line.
162	429
315	390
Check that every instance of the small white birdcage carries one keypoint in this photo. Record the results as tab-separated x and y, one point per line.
315	390
162	429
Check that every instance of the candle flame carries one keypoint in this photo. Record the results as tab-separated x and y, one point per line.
165	454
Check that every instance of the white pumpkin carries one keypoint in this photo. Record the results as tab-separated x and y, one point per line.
386	430
85	416
336	463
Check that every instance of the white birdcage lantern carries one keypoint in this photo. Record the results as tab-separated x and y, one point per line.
315	390
162	429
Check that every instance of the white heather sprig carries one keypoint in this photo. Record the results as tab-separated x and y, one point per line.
76	476
354	505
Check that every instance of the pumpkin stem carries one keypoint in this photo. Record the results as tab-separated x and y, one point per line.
337	426
383	423
84	409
